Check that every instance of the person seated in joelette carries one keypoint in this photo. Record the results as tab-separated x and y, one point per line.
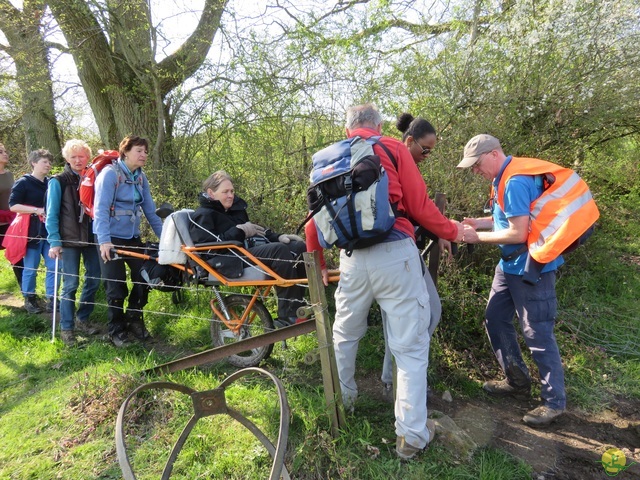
222	216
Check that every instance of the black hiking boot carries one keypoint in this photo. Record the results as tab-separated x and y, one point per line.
31	304
120	339
139	330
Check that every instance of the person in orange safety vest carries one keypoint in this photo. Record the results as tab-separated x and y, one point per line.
538	210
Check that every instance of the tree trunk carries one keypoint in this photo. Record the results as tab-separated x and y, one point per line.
124	84
33	74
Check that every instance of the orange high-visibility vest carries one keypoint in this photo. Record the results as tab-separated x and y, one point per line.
559	216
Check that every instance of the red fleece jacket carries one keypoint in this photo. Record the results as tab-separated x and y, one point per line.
406	188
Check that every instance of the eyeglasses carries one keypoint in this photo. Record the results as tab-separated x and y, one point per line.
479	161
423	150
488	206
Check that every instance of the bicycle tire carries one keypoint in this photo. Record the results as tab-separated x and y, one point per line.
261	323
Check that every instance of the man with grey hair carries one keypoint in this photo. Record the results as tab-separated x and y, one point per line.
390	273
514	189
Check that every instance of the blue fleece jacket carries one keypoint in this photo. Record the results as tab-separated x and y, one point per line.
129	194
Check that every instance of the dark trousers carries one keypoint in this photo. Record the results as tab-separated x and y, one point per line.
286	261
114	275
536	307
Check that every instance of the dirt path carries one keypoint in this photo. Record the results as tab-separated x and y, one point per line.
570	449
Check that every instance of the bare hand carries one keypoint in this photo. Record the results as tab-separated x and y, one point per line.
55	252
470	235
445	249
460	233
325	277
472	222
105	251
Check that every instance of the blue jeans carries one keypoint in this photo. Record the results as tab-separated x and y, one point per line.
536	308
71	281
31	263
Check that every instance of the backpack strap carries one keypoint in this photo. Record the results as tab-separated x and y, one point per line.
377	141
394	205
120	176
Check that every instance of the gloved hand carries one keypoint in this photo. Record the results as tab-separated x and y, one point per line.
289	238
251	229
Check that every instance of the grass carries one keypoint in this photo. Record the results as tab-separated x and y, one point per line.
58	406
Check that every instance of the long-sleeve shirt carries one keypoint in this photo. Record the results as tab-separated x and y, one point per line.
406	188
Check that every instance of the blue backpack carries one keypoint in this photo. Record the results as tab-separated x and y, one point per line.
349	195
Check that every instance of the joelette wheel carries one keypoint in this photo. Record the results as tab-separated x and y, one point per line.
258	322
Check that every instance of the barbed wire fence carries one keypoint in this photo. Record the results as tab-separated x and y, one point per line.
193	284
621	340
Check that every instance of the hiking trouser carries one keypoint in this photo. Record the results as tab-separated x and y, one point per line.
391	274
114	274
536	308
285	260
435	306
71	281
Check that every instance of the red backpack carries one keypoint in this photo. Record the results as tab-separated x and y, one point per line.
86	190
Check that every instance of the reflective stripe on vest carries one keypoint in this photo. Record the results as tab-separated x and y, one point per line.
562	213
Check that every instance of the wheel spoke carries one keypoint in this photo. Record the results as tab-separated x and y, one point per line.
257	321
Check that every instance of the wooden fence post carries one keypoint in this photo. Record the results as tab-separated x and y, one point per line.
434	254
330	380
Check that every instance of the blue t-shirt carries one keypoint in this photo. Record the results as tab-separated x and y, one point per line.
520	191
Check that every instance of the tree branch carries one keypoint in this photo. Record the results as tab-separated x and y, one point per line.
57	46
185	61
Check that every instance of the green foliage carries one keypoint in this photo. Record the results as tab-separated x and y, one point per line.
557	80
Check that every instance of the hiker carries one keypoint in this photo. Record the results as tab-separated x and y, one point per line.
122	195
222	216
6	215
390	272
28	196
535	305
71	237
420	138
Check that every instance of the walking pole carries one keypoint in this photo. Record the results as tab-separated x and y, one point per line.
55	301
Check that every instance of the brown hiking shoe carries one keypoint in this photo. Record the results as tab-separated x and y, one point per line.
542	416
406	451
504	388
68	337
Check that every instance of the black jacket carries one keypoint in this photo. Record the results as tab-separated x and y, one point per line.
212	216
73	232
28	190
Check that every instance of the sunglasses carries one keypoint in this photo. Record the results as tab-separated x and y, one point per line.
423	150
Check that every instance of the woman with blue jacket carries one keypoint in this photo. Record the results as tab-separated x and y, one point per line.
122	195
